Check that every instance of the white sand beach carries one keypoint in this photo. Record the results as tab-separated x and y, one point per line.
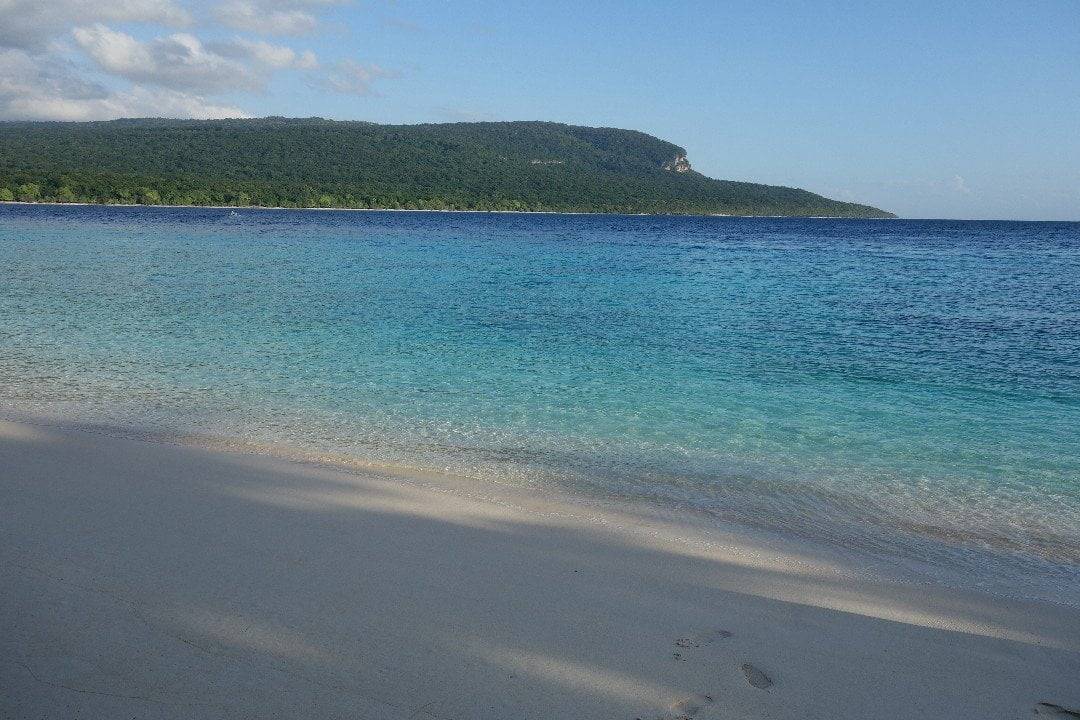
143	579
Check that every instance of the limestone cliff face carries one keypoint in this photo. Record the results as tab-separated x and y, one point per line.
679	164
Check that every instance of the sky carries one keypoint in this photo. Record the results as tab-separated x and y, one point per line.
927	109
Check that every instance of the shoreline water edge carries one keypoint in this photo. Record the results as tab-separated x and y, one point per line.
417	210
887	562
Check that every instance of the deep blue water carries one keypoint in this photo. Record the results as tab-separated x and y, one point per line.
909	389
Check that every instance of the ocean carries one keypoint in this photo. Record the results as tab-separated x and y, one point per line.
905	390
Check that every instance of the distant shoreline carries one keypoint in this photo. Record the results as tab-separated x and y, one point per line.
523	212
420	210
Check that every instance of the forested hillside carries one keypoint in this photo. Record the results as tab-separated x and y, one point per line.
323	163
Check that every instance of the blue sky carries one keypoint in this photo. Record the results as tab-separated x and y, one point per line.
926	109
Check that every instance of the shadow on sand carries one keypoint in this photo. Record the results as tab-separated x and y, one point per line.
150	580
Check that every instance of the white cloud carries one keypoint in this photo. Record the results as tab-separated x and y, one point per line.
78	59
178	61
351	77
272	17
267	54
31	89
31	24
182	62
253	17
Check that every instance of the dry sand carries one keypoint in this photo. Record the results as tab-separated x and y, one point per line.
149	580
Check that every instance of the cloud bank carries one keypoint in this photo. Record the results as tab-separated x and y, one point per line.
89	59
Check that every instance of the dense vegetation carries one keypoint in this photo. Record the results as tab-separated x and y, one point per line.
323	163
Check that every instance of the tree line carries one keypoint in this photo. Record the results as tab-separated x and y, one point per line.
281	162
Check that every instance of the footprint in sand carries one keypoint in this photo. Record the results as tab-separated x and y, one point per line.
702	639
1055	711
755	677
687	708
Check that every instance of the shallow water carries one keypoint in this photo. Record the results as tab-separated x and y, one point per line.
906	389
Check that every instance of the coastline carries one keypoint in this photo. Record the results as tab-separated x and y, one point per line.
163	578
531	212
419	210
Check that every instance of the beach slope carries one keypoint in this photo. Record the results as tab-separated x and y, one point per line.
154	580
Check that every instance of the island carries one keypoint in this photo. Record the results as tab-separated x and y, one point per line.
318	163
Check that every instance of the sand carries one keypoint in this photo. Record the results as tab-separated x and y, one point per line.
143	579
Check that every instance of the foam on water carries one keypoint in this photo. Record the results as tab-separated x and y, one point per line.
909	389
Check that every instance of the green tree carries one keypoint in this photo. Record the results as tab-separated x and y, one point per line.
6	195
320	163
28	192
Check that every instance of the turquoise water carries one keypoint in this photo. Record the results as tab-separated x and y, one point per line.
905	389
